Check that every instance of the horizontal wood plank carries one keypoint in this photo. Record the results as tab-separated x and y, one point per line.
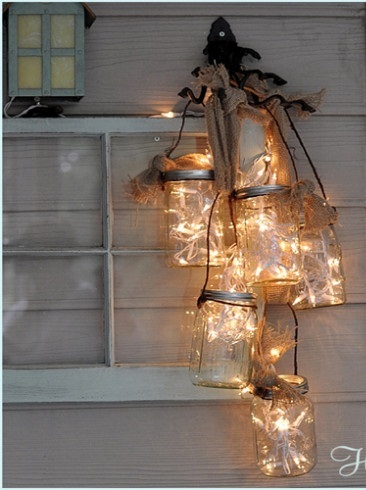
126	384
287	48
212	9
185	445
153	73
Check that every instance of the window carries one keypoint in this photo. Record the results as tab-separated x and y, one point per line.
91	312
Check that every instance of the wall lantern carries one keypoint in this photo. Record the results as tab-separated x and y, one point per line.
46	48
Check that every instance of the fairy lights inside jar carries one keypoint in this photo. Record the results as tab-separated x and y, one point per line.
268	234
190	196
284	429
259	172
223	338
322	283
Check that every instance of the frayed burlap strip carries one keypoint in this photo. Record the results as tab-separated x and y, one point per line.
224	123
317	213
227	106
146	186
275	343
272	343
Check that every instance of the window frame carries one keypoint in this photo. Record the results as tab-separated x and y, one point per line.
109	382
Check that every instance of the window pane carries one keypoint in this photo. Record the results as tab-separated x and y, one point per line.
29	72
53	310
62	31
141	226
62	72
29	31
154	335
151	304
52	192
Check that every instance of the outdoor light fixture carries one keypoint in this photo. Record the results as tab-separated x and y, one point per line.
46	48
280	246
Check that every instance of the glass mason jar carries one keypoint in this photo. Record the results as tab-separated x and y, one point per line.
323	282
267	225
284	431
190	195
223	339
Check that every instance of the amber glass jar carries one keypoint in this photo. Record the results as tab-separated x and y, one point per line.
224	335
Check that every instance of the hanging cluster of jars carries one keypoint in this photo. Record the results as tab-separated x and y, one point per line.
251	226
273	259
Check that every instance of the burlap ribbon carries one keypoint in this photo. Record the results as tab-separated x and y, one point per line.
224	109
147	185
316	211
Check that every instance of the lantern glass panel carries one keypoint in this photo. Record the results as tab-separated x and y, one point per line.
29	31
62	31
29	72
62	72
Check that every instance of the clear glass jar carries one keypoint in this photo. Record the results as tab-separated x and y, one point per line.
190	195
223	339
323	282
267	225
284	430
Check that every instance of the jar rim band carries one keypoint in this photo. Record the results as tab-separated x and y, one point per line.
299	383
259	190
229	297
176	175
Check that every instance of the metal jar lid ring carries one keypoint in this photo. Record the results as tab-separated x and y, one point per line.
176	175
299	383
229	297
260	190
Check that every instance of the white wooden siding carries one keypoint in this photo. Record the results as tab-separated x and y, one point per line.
169	433
162	445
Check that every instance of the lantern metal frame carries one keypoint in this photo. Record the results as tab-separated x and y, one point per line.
84	18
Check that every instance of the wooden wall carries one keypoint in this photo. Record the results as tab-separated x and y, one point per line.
139	56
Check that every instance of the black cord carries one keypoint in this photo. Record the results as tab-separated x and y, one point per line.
284	142
174	147
306	153
201	298
296	337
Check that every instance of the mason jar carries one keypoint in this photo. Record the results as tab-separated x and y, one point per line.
267	226
284	432
322	283
223	339
190	196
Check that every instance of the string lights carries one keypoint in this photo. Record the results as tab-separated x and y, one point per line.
278	246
